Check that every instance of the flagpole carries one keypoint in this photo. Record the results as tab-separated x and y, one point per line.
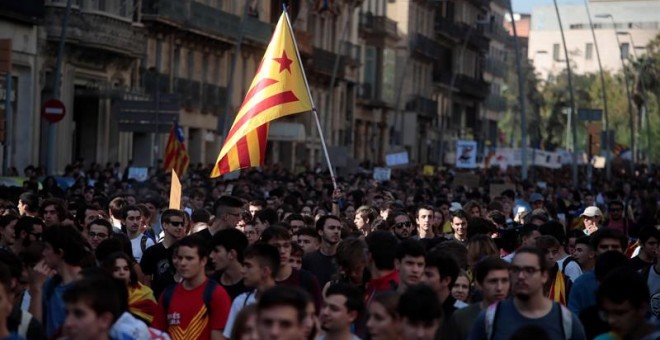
314	111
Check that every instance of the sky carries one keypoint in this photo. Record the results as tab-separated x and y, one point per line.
525	6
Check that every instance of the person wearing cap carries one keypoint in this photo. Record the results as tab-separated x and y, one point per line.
537	201
591	219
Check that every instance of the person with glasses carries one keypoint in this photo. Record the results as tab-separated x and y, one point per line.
27	231
529	305
618	218
401	224
624	298
156	260
99	230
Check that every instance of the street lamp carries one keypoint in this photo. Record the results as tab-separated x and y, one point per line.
521	96
572	97
625	78
606	142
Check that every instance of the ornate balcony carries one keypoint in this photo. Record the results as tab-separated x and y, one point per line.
258	30
378	25
426	107
424	46
194	15
96	30
449	28
323	62
472	87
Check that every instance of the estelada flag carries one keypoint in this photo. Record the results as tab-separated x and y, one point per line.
176	155
278	89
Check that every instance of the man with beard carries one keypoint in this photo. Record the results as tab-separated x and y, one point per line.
131	218
401	224
529	306
322	262
410	263
27	230
343	304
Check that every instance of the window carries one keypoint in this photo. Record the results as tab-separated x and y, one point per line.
625	50
555	52
589	51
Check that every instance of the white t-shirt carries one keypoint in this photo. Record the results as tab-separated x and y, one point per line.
572	270
239	303
136	244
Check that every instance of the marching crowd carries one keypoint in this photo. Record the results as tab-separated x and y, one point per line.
278	255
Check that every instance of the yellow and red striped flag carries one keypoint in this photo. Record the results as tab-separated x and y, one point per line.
278	89
176	155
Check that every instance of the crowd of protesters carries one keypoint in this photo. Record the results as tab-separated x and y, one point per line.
281	255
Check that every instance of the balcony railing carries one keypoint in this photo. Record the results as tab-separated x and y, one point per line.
496	67
96	30
258	30
423	106
378	25
449	28
424	46
351	51
323	62
192	14
495	103
478	39
472	87
496	32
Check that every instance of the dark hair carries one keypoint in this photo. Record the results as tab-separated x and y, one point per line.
169	213
380	244
648	232
488	264
6	278
420	303
584	239
296	250
460	214
200	216
240	323
546	242
389	300
266	255
226	202
610	233
6	219
321	221
574	233
109	265
307	231
104	223
13	263
425	207
554	229
30	200
354	297
479	226
349	251
275	232
410	247
527	229
57	203
113	245
607	262
289	296
26	224
101	291
294	217
195	241
127	208
445	264
145	211
231	239
624	284
257	203
67	239
266	215
543	266
116	205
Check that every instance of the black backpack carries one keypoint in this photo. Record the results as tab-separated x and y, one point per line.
209	289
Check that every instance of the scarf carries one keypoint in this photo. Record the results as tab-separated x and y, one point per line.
141	302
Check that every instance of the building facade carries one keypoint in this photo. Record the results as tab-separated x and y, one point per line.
633	22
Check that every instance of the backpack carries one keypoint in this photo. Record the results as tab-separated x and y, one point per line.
143	241
568	260
209	289
566	320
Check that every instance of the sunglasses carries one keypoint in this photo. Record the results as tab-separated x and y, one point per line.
175	223
403	224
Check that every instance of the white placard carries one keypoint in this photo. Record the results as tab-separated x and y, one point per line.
382	174
466	154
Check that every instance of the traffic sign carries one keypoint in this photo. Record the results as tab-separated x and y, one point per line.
53	111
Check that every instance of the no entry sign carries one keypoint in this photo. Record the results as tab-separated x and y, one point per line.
53	110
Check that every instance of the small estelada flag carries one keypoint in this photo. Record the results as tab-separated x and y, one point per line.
176	154
278	89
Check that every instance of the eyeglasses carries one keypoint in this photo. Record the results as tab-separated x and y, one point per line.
527	270
403	224
175	223
99	235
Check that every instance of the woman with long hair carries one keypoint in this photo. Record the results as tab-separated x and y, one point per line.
384	321
141	300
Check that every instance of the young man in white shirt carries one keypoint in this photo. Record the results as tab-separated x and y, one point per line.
131	218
